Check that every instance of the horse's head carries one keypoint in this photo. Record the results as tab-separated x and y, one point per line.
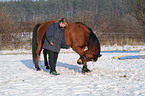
96	57
92	56
93	52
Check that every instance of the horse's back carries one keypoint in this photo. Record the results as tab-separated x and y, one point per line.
76	33
43	27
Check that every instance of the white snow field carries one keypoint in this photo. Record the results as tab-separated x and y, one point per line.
109	77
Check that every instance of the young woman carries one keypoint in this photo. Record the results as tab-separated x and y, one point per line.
54	41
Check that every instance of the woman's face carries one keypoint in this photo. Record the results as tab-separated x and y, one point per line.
62	24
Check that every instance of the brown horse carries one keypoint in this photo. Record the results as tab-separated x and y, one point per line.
77	36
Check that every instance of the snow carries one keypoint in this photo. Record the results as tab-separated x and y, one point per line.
109	77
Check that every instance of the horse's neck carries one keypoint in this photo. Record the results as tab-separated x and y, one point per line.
93	48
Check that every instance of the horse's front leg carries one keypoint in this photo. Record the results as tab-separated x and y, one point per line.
80	61
80	51
85	69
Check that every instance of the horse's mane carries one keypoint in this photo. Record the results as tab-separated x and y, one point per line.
92	37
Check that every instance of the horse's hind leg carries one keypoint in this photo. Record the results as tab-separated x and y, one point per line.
45	58
38	51
36	63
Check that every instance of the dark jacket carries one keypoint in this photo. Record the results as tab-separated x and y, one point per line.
55	34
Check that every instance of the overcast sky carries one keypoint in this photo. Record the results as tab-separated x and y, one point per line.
11	0
4	0
7	0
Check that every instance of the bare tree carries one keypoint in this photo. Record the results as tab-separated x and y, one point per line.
6	22
138	10
6	26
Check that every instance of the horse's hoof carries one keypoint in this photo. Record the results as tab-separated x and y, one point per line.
38	69
86	71
80	62
47	67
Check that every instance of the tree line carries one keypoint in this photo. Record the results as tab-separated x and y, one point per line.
25	10
103	16
74	10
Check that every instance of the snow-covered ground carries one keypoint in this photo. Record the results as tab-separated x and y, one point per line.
109	77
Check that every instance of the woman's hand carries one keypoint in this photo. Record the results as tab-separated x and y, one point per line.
51	43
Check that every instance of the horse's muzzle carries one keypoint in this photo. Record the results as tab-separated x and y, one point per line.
95	59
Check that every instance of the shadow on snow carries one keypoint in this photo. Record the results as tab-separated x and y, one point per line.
29	64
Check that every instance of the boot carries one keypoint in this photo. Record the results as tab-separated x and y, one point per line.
54	73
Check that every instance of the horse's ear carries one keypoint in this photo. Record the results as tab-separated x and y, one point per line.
99	55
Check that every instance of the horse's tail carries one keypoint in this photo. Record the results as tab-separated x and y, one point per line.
34	42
